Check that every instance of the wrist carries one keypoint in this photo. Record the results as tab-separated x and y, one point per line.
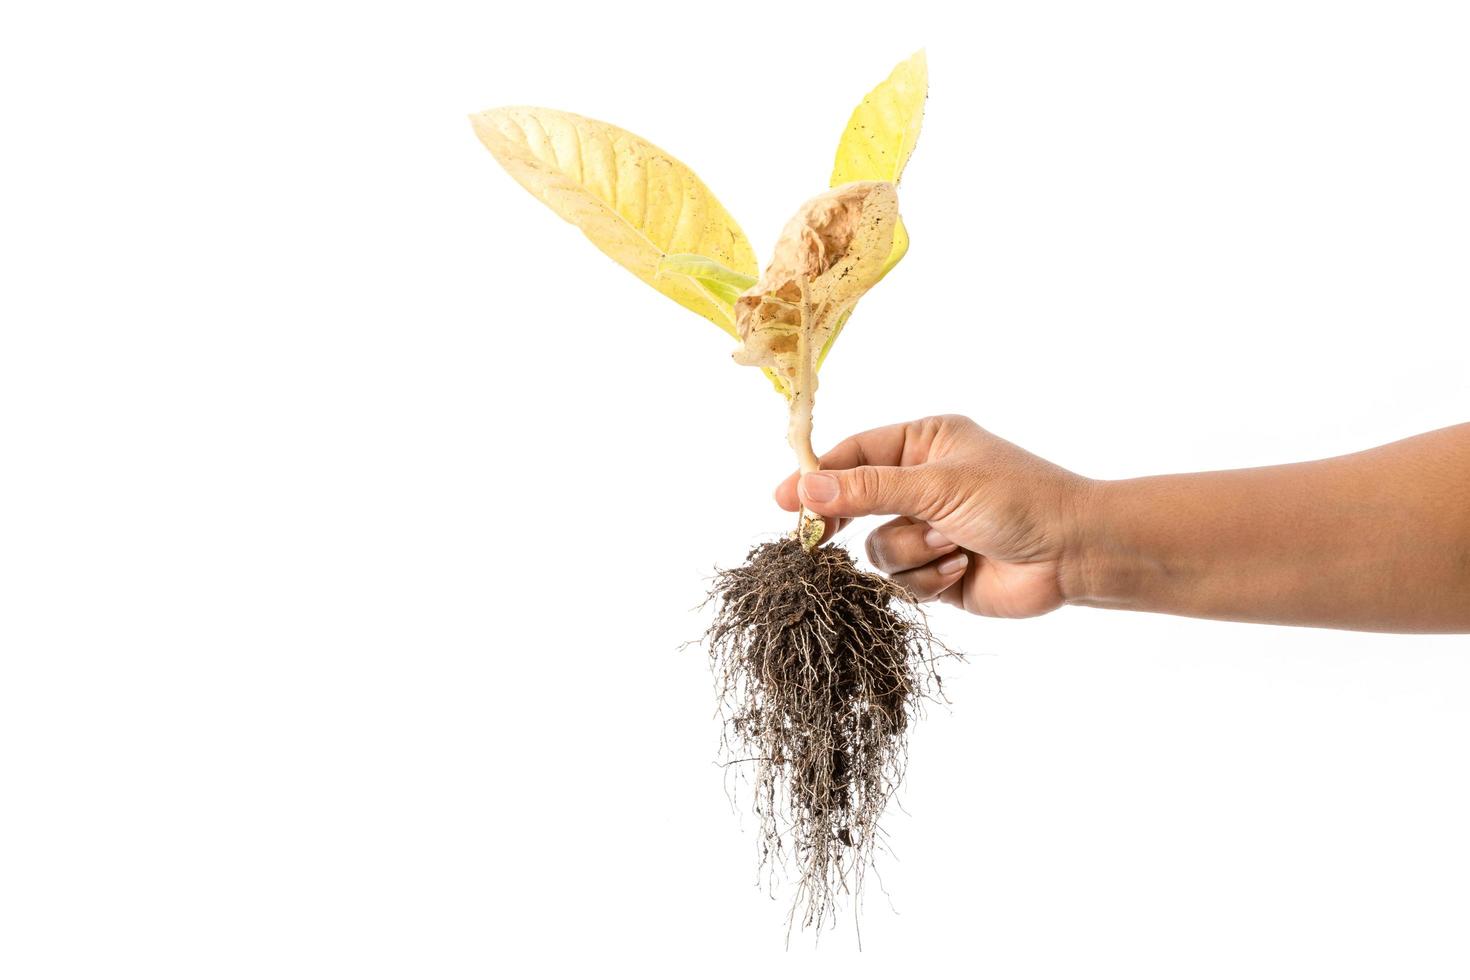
1091	571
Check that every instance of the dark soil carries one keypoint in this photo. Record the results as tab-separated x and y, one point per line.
821	668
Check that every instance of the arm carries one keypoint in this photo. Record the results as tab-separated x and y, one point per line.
1376	540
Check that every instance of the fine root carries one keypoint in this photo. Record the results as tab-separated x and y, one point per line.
820	668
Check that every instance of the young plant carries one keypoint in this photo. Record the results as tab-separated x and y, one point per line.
820	663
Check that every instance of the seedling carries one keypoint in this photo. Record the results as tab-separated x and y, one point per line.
820	664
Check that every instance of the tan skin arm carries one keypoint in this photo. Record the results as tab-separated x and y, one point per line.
1375	540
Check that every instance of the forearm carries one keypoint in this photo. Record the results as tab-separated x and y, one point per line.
1377	540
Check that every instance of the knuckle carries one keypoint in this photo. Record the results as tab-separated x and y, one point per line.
919	435
932	425
862	485
931	496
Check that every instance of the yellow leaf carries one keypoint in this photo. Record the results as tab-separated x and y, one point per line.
884	128
879	139
631	199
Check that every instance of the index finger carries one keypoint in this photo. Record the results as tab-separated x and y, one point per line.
889	445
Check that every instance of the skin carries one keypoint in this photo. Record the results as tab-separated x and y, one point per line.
1375	540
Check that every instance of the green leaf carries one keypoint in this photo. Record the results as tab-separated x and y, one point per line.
724	283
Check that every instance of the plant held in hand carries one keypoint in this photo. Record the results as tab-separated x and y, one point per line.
821	665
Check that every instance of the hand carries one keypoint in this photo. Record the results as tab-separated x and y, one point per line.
983	524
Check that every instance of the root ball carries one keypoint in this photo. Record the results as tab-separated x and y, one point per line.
820	668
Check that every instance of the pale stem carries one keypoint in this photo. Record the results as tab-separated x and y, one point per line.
803	390
803	398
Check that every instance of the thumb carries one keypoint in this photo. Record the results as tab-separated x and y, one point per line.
862	490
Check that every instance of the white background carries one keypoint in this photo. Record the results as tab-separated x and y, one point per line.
355	507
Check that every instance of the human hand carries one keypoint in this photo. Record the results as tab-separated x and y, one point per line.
983	524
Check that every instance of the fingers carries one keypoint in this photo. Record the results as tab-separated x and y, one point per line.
786	497
902	444
917	557
929	581
902	544
914	491
955	594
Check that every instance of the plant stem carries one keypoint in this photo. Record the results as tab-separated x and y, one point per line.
799	426
803	389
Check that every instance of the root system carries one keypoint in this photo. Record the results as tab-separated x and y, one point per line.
821	668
